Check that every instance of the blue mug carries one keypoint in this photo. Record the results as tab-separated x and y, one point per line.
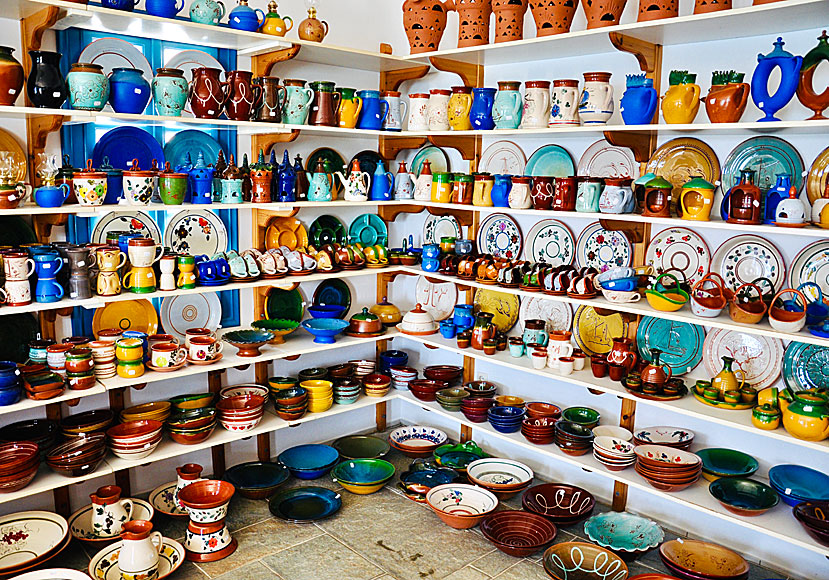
222	267
47	265
51	196
207	270
620	284
9	373
127	5
447	329
164	8
430	265
48	290
124	242
431	251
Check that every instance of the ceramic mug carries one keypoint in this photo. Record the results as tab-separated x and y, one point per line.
167	354
557	349
142	254
16	293
18	266
140	280
204	348
110	259
129	349
418	112
191	333
108	284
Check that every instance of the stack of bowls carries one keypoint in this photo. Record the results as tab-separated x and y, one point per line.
461	506
582	415
503	477
245	389
509	401
541	430
447	373
796	483
475	408
135	439
18	465
87	423
39	383
241	412
667	468
560	503
718	462
44	432
505	419
78	457
363	368
613	431
377	385
538	409
572	438
363	476
675	437
103	355
276	384
340	371
402	376
157	411
426	389
291	403
615	454
483	389
417	440
698	560
346	391
11	386
320	395
812	516
188	402
309	461
451	399
192	426
518	533
312	374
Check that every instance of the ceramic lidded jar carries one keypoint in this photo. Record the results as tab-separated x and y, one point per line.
312	28
45	86
726	100
11	76
425	21
418	321
806	94
657	9
681	101
790	211
564	102
365	322
388	313
473	16
243	17
169	92
90	186
639	101
509	19
553	16
88	87
596	103
601	13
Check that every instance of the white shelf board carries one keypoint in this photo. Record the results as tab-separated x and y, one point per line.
25	404
47	480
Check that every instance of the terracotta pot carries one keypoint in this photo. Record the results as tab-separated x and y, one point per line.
706	6
759	2
509	19
425	21
657	9
473	22
600	13
726	103
552	16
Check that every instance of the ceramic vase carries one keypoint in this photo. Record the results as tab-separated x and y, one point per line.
536	105
508	106
596	103
681	101
564	103
789	66
600	13
639	101
169	92
552	16
88	87
806	94
45	86
726	100
473	16
509	19
242	95
480	114
425	21
11	76
129	91
706	6
657	9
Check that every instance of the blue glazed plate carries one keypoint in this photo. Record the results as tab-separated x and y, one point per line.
192	142
305	504
309	456
680	342
623	531
551	161
124	144
804	366
369	230
333	292
768	156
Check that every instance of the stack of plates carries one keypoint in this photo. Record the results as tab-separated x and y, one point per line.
615	454
676	437
667	468
503	477
47	534
157	411
241	412
402	376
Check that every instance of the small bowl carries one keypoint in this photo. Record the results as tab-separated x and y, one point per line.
327	311
719	462
257	479
461	506
361	447
248	342
582	415
624	534
197	401
744	497
324	329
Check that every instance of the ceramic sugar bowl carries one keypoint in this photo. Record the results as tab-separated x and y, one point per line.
389	314
418	322
790	212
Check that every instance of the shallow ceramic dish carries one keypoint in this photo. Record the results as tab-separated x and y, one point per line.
668	436
796	483
702	559
309	461
163	500
279	327
625	534
461	506
458	456
363	476
719	462
423	476
361	447
80	522
44	534
53	574
583	561
104	565
502	474
518	533
248	341
417	439
257	479
811	515
305	504
324	329
612	431
196	401
560	503
744	497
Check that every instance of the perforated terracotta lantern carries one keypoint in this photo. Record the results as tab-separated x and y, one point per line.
552	16
509	19
473	22
706	6
657	9
425	21
600	13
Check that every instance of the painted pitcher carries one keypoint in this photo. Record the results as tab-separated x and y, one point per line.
356	185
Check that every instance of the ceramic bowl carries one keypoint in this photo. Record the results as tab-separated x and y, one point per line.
744	497
584	561
447	373
509	401
361	447
79	456
363	476
612	431
326	311
192	419
196	401
244	389
135	432
17	456
248	341
480	388
417	440
796	483
257	479
719	462
581	415
458	456
461	506
324	329
518	533
158	411
206	500
503	477
558	502
305	504
279	327
625	534
426	389
291	396
695	558
309	461
192	436
810	514
87	422
541	409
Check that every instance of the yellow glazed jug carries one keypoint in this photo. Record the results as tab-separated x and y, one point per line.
726	379
349	110
482	191
805	414
681	101
696	199
460	103
274	24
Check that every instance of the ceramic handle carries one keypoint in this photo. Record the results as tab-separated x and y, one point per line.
127	505
59	287
224	11
310	94
359	102
325	25
286	20
65	189
404	106
122	260
4	296
386	114
608	100
217	347
178	9
546	101
127	277
158	541
261	20
366	180
518	103
30	266
160	250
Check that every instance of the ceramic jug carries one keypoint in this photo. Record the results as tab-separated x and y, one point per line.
596	102
805	414
564	198
482	330
536	105
500	190
520	195
272	101
356	185
140	547
349	110
423	183
681	101
460	104
482	190
480	114
564	103
243	17
275	24
775	195
437	112
88	87
207	95
11	76
616	197
806	94
320	184
543	190
535	331
397	111
169	92
164	8
508	106
382	183
742	204
404	183
312	29
462	192
207	11
374	111
623	353
726	379
297	105
241	95
110	512
45	86
789	66
324	106
654	372
12	195
696	199
727	98
558	346
639	101
418	112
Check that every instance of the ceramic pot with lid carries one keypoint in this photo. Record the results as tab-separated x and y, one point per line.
418	321
365	322
388	313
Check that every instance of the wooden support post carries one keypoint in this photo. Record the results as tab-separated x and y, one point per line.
60	497
466	433
122	477
43	223
262	64
380	410
263	440
214	384
389	147
627	420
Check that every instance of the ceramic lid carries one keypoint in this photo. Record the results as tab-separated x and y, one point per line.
660	183
418	317
136	171
365	315
697	182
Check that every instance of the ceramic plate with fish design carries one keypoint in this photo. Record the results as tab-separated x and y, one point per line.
559	315
603	249
759	357
805	366
679	249
818	176
745	258
178	313
196	232
436	298
133	221
552	242
439	226
680	342
811	265
504	306
503	158
602	159
767	156
500	236
104	564
551	161
681	159
594	333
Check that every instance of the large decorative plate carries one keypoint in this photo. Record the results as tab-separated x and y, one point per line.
80	522
436	298
767	156
438	160
112	53
123	144
811	265
133	221
127	315
332	161
285	231
287	304
806	366
14	231
603	249
759	357
681	249
192	143
178	313
504	306
438	226
594	333
104	564
327	229
680	159
602	159
551	161
29	536
680	342
503	158
745	258
552	242
500	236
8	142
333	291
187	61
196	232
53	574
368	161
559	315
368	229
818	176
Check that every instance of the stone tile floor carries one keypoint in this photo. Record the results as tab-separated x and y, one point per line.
383	536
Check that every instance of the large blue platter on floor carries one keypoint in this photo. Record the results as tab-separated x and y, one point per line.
305	504
192	142
120	146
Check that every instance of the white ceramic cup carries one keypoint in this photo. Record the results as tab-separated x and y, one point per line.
565	365
204	348
16	293
539	360
167	354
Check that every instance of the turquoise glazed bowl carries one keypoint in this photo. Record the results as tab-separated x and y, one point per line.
363	471
458	456
624	534
719	462
324	329
309	461
744	497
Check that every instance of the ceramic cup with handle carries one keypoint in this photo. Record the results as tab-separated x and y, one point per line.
204	348
18	266
167	354
16	293
191	333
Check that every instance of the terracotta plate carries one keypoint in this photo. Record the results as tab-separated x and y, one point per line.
680	159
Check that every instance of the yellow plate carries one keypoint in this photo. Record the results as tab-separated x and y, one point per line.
681	159
9	143
286	231
723	404
129	315
818	174
504	306
595	333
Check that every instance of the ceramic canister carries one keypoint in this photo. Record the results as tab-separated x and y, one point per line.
596	103
90	186
397	111
88	87
536	104
564	102
297	105
418	112
138	185
458	108
509	106
438	110
169	92
129	91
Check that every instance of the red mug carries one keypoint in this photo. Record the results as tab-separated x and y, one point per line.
564	198
542	192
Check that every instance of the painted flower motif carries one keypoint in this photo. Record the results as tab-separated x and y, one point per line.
555	111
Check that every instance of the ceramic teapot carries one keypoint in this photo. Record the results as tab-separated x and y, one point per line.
243	17
356	185
805	414
320	184
207	11
275	24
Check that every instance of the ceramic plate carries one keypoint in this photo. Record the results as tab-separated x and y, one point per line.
551	161
818	176
163	500
504	306
133	221
305	504
681	249
285	231
178	313
187	60
806	366
368	162
500	236
327	229
127	315
664	435
192	143
438	160
112	53
503	158
16	331
332	160
680	342
439	226
602	159
287	304
368	229
29	536
80	523
196	232
681	159
333	291
760	357
552	242
767	156
603	249
123	144
594	333
104	564
53	574
811	265
747	257
436	298
559	315
8	142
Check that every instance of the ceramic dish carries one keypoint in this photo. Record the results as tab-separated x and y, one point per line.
518	533
679	249
667	436
592	332
80	522
705	559
767	156
438	160
327	229
624	533
163	500
363	476
309	461
603	249
744	258
797	483
811	265
504	306
436	298
334	292
503	158
500	236
285	231
369	230
284	305
719	462
113	53
558	315
459	505
550	161
127	315
559	502
759	357
680	343
178	313
683	158
550	241
744	497
602	159
36	536
257	479
806	366
361	447
818	175
133	221
305	504
53	574
368	161
583	561
104	564
121	145
436	227
196	232
191	143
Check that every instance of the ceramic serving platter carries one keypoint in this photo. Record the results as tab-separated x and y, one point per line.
53	574
436	298
104	565
368	229
29	537
127	315
327	229
187	61
603	249
285	231
163	500
178	313
333	291
744	258
552	242
559	315
806	366
818	176
438	160
111	53
439	226
602	159
284	304
503	158
120	146
767	156
133	221
80	522
759	357
594	333
196	232
192	143
680	342
664	435
811	265
679	249
681	159
500	236
504	306
8	142
550	161
305	504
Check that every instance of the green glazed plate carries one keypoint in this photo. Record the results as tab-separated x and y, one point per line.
327	229
805	366
768	156
438	160
287	304
680	342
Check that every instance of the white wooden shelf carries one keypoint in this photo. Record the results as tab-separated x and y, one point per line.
23	404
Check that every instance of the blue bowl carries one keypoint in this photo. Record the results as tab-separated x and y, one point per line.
9	396
326	310
506	413
621	284
309	461
796	483
363	471
324	329
506	428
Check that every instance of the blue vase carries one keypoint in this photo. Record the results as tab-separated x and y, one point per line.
201	181
129	91
243	17
775	195
51	196
164	8
639	101
286	186
88	87
169	92
127	5
500	190
374	111
480	115
789	79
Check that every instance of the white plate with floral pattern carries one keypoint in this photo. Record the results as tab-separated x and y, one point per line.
500	236
664	435
436	298
503	158
602	159
440	226
29	536
603	249
759	357
744	258
133	221
80	523
811	265
679	249
163	500
552	242
195	232
559	315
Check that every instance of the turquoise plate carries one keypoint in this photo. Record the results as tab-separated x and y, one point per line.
327	229
680	342
551	161
333	291
438	160
621	531
806	366
369	230
284	304
192	142
768	156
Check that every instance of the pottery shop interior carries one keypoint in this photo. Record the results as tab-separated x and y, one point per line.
414	290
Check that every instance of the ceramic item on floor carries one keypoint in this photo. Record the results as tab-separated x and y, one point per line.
461	506
603	249
679	249
363	476
550	161
81	528
680	343
104	564
503	158
437	298
207	538
767	156
46	535
695	558
550	241
760	358
593	332
128	315
257	479
623	533
602	159
518	533
305	504
500	236
361	447
584	561
309	461
745	258
196	232
436	227
504	306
